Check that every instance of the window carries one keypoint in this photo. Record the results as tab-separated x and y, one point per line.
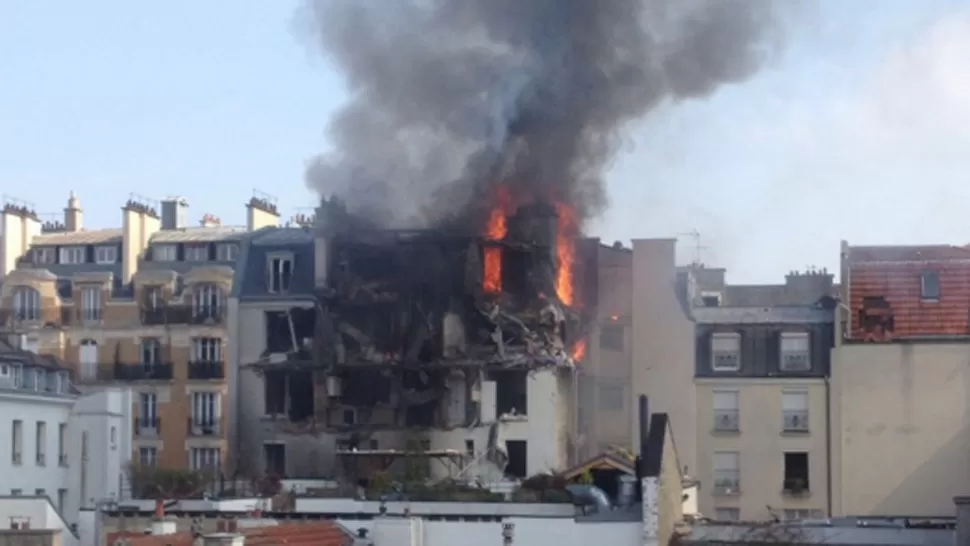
227	252
91	303
726	352
16	492
611	337
26	303
147	456
470	448
61	500
148	411
795	352
152	297
41	443
151	352
207	302
612	397
280	274
726	415
72	255
207	349
205	410
795	514
40	492
205	458
44	255
275	457
113	437
164	253
106	254
794	407
88	359
17	442
796	473
518	456
62	444
711	299
727	514
727	473
196	253
930	285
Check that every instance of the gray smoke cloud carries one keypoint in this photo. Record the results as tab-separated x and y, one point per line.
449	98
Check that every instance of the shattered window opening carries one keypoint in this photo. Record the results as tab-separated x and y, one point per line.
517	466
274	392
511	388
274	453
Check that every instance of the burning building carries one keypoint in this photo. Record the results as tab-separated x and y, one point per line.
457	345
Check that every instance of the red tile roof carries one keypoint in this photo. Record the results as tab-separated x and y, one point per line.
914	253
290	534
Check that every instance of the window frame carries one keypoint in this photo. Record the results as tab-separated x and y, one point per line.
277	275
195	252
735	336
925	276
91	303
165	252
733	413
783	353
608	397
72	255
227	252
106	254
26	303
44	255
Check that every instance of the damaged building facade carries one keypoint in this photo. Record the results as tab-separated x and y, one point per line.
356	347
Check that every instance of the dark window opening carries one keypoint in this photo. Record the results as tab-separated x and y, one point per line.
511	388
421	415
372	444
930	285
470	448
364	388
796	472
611	337
280	274
518	454
711	301
275	457
288	331
299	390
274	392
349	417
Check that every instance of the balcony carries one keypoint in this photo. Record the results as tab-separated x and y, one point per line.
726	421
207	369
147	427
795	421
182	315
203	426
37	317
137	372
727	482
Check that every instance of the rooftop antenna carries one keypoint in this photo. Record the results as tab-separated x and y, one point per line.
698	247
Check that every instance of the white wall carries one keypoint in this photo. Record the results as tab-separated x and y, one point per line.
41	515
525	532
101	475
28	476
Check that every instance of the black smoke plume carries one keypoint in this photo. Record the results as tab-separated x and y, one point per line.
449	98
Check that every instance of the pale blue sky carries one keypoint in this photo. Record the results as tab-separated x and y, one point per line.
860	129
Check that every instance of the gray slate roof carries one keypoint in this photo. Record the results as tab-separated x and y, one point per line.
252	269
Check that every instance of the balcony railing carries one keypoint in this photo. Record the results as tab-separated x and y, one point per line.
726	420
207	369
727	482
795	487
160	371
182	314
36	317
147	427
203	426
795	420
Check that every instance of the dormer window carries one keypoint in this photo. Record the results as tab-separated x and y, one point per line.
227	252
164	253
280	274
44	255
106	254
72	255
196	253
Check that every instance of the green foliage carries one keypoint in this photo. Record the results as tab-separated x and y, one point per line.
586	478
166	483
543	488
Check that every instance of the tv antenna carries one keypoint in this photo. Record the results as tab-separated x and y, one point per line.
697	246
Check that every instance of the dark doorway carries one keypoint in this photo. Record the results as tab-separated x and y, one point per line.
275	457
518	456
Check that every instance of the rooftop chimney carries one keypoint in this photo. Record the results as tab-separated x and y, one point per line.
73	217
19	223
262	211
175	212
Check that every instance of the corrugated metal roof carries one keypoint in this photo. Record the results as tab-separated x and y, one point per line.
84	237
762	315
198	235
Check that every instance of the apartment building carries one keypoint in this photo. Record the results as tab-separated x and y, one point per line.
143	306
901	426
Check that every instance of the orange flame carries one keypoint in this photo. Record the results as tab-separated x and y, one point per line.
579	350
565	252
492	283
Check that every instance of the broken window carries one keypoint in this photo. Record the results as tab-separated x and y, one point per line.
517	451
274	385
511	388
611	337
470	448
796	472
930	285
275	456
299	393
280	274
288	331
